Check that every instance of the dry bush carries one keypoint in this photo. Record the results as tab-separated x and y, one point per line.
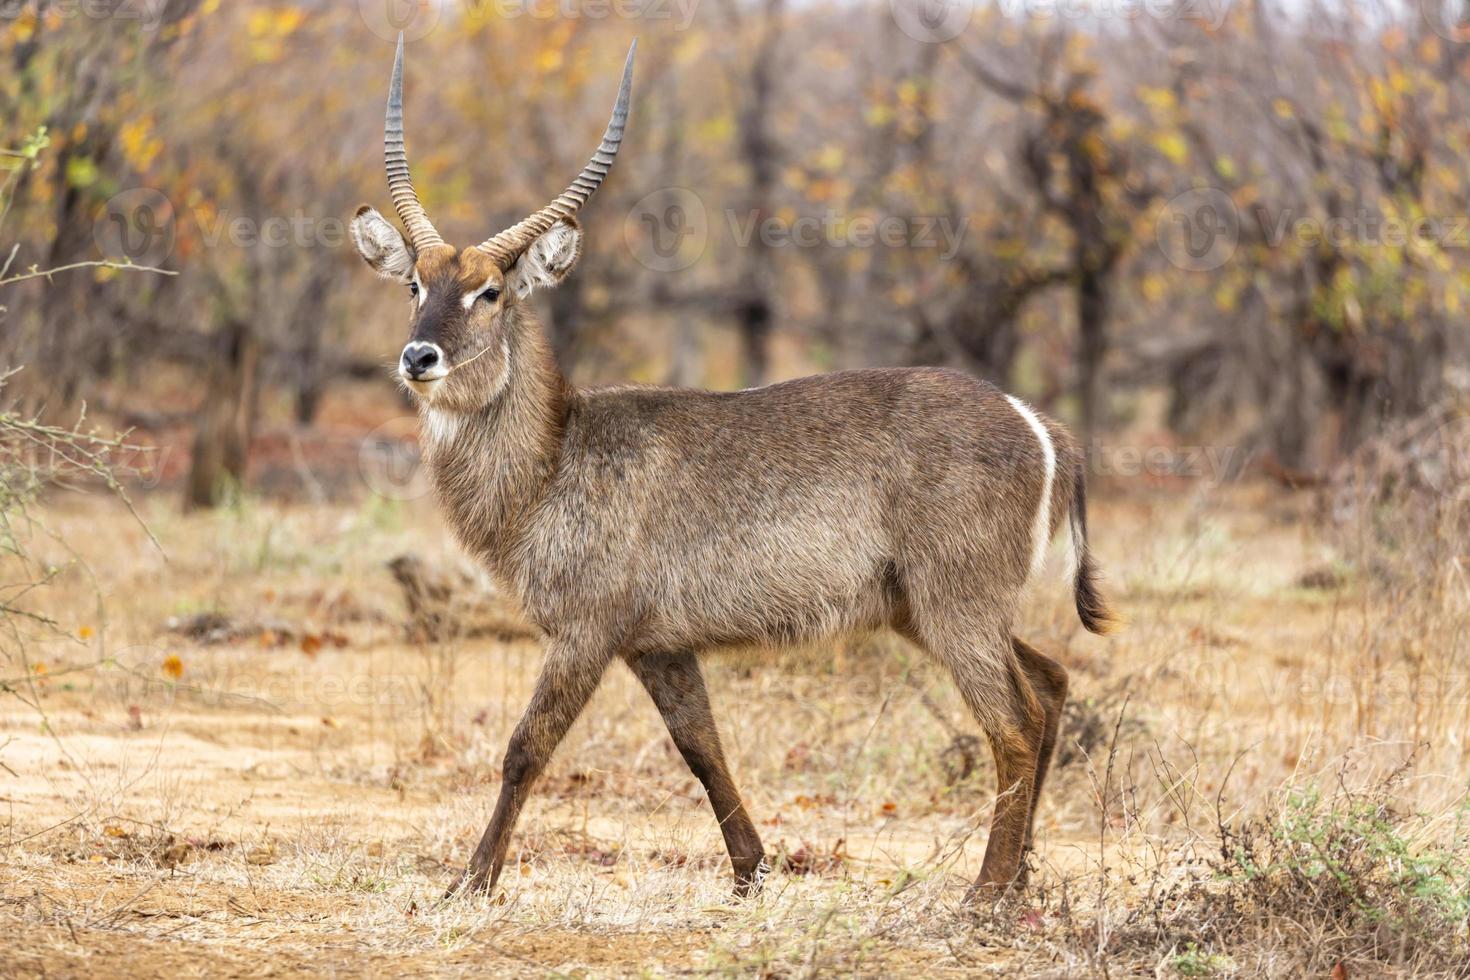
36	457
1363	880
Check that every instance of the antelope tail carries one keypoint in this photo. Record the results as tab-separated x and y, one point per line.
1091	608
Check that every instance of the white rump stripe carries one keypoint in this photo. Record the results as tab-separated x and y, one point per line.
1041	527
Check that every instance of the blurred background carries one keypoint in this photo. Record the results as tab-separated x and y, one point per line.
1219	222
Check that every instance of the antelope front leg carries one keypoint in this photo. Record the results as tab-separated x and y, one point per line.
568	678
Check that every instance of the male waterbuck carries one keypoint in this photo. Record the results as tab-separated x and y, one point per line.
651	524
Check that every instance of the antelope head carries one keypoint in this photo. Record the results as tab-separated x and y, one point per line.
460	298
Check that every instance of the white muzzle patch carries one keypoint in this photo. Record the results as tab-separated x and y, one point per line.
422	366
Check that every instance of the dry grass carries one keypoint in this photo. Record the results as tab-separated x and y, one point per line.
1264	775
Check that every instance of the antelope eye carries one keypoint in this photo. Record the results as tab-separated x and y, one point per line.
413	289
490	295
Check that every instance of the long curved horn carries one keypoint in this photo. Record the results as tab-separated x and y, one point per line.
509	244
421	233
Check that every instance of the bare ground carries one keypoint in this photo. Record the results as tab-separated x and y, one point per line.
295	800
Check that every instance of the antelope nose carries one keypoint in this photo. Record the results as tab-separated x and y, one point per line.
420	359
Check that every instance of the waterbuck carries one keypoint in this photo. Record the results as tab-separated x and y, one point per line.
649	524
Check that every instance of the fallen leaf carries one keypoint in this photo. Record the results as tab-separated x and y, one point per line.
173	666
113	830
311	644
86	633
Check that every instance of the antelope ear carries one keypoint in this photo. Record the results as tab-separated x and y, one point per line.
548	259
381	246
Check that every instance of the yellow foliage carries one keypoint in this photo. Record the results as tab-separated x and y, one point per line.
716	129
1154	287
268	28
878	115
24	26
1226	298
831	157
275	22
139	144
1157	97
1173	146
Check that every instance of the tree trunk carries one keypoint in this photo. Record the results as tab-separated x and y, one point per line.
1092	347
227	420
757	278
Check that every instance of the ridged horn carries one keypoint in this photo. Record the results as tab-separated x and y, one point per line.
421	233
509	244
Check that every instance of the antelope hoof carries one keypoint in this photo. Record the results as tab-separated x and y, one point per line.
995	894
749	884
470	882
